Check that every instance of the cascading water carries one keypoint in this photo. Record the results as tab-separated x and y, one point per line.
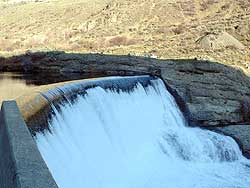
136	138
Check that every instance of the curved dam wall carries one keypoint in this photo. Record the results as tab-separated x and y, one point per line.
36	107
35	103
21	164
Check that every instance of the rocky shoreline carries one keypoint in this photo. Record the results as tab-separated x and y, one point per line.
212	95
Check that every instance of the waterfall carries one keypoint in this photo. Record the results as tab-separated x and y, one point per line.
111	137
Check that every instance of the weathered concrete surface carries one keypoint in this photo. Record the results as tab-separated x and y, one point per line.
241	133
215	94
33	102
21	165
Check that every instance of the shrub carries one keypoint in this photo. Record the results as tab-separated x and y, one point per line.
121	40
178	29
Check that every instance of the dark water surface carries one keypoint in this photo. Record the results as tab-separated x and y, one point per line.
14	85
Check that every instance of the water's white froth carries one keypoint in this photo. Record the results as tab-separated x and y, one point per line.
110	139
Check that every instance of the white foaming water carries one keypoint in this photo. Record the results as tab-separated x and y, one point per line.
137	139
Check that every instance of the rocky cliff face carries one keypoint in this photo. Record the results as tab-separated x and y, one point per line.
211	94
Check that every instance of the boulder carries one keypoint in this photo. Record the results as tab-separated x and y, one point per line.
219	40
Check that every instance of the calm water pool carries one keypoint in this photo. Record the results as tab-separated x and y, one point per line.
13	86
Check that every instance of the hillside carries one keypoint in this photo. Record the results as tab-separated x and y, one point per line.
209	29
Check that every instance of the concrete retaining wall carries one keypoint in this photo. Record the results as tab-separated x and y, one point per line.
21	165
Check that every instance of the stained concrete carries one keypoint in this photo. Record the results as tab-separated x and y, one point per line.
21	164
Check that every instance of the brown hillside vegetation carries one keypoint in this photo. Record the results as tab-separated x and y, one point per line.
209	29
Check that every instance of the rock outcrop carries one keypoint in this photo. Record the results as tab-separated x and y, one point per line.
219	40
214	94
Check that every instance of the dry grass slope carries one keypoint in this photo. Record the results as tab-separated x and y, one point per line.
163	28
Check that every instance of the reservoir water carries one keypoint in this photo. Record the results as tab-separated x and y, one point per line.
13	86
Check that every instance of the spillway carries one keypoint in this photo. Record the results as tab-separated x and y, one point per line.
134	136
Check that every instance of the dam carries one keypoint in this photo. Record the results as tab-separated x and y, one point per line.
128	132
